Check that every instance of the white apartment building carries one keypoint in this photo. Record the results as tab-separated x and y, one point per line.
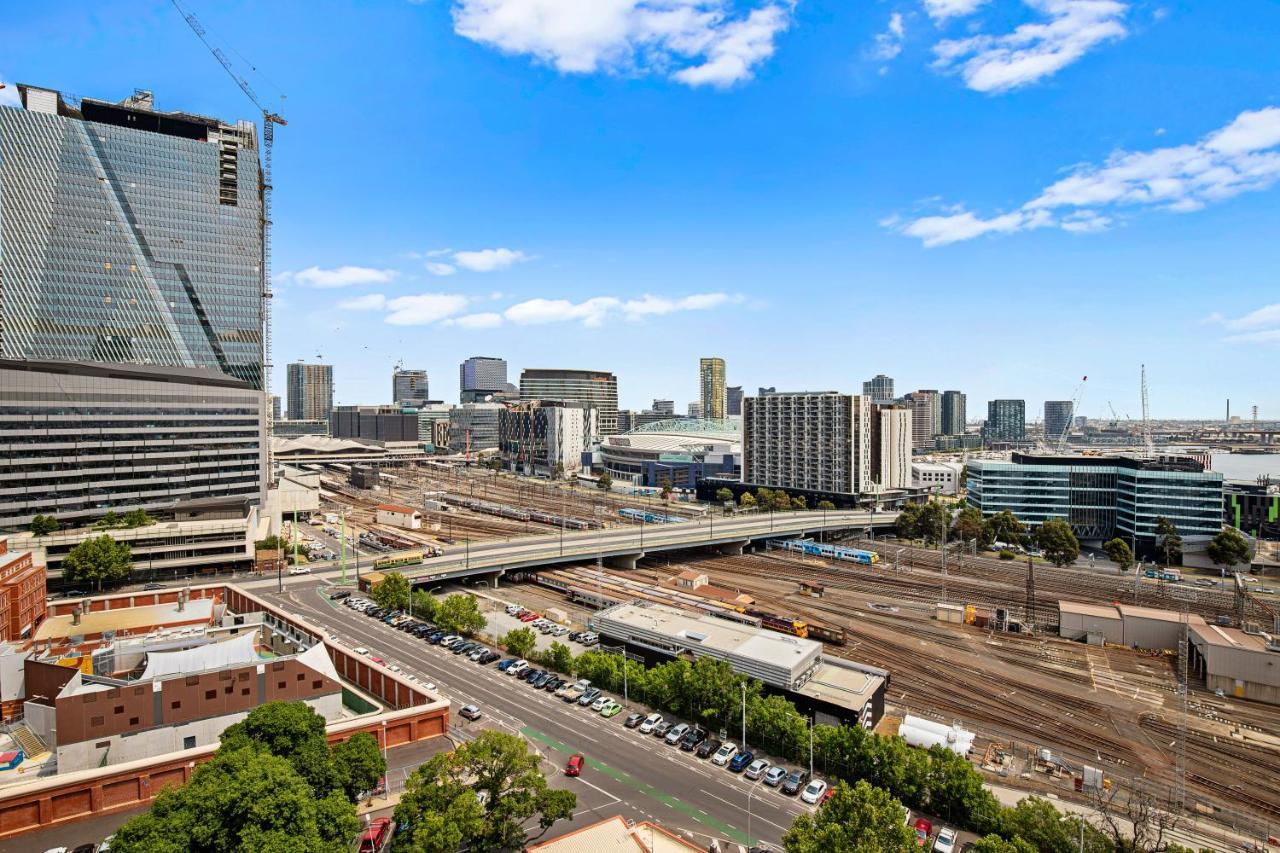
814	440
891	434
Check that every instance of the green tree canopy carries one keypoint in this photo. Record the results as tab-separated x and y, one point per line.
857	819
1228	548
995	844
292	731
933	522
559	657
1005	527
495	773
357	764
519	642
827	505
138	518
1058	542
460	614
971	526
1119	552
724	495
1037	823
271	543
42	525
604	482
665	490
97	560
747	500
392	591
1168	540
425	605
108	521
799	503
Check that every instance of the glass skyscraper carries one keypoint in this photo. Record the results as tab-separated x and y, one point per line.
130	235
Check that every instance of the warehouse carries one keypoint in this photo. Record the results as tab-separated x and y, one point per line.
1093	623
396	515
1240	664
835	691
1122	624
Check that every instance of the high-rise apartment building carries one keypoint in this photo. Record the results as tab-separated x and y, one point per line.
131	310
926	417
277	410
712	388
596	387
1006	421
474	427
814	441
733	401
694	410
665	407
310	391
891	445
1057	419
536	437
953	413
481	376
409	387
879	388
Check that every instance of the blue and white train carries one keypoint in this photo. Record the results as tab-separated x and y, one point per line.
833	552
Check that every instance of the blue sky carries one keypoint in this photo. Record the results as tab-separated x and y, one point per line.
999	196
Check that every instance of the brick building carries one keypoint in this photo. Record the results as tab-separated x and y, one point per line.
22	596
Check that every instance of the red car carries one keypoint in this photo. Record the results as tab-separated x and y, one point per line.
923	830
529	617
574	767
831	792
378	661
376	837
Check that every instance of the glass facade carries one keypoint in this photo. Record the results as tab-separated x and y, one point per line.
128	245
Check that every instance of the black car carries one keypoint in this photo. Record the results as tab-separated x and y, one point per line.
795	780
708	747
74	593
574	635
553	684
532	675
337	596
541	681
691	739
435	636
464	648
489	657
634	720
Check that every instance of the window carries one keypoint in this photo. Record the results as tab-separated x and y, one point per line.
102	744
189	742
281	684
302	676
175	705
210	694
119	709
96	721
244	692
133	721
317	684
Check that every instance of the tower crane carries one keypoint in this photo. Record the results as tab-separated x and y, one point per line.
1148	445
269	120
1076	397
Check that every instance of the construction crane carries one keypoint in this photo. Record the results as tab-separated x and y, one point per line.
1076	397
269	121
1148	444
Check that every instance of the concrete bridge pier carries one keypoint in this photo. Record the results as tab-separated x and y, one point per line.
732	549
626	562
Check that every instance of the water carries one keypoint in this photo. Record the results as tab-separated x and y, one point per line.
1247	466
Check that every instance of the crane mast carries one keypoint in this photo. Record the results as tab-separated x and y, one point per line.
269	120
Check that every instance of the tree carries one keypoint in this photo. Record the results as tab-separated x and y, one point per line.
392	591
138	518
604	482
799	503
825	505
971	526
459	614
781	501
1059	544
1134	820
724	495
1168	540
558	472
1005	527
933	522
108	521
559	657
97	560
857	819
496	768
764	499
43	525
425	605
271	543
666	489
1119	552
995	844
357	764
1039	824
908	525
1228	548
746	500
519	642
292	731
242	800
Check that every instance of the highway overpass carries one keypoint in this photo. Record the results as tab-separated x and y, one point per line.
624	545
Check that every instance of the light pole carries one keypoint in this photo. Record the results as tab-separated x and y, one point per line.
467	565
744	715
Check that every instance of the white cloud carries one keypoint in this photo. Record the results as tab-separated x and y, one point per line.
368	302
423	308
1243	156
594	311
696	42
483	320
488	260
9	94
341	276
889	43
1036	50
1257	327
437	268
941	10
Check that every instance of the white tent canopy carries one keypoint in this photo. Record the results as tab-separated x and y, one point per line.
923	733
234	652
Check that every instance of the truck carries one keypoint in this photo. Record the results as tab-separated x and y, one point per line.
571	692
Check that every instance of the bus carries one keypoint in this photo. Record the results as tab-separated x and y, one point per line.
412	559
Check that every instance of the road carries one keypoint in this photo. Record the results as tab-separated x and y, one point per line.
628	773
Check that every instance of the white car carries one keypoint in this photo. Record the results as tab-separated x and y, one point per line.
299	570
756	768
429	686
599	704
517	667
393	668
649	722
946	841
724	753
814	791
360	650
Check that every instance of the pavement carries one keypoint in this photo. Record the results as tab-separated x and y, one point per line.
631	774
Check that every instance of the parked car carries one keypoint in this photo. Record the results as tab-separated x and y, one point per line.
574	767
756	769
360	650
740	762
677	732
599	704
813	791
795	780
471	712
611	709
633	720
376	836
774	775
589	695
707	747
517	667
489	657
554	684
299	570
724	753
649	722
476	654
692	738
946	841
154	586
923	830
661	729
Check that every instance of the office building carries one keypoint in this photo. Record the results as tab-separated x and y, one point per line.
733	401
712	388
1102	497
1006	421
540	436
879	388
761	391
815	442
942	477
374	423
277	411
474	427
891	446
409	387
130	235
1057	420
430	417
626	420
594	387
666	408
289	428
310	391
967	441
1252	508
953	413
481	376
694	410
926	417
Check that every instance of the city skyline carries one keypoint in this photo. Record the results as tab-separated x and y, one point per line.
495	237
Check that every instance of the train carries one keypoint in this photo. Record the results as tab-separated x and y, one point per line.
783	625
503	511
835	552
1170	575
412	559
648	517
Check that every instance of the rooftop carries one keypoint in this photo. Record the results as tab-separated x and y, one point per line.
843	683
1232	638
1099	611
398	508
127	619
1131	611
612	835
